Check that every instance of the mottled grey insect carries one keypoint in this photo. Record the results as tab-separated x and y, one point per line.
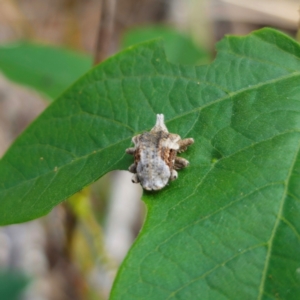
155	156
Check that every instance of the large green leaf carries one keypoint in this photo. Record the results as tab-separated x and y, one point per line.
47	69
228	228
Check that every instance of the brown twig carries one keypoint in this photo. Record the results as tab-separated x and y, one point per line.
105	31
298	30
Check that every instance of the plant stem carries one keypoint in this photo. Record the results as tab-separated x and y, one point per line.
105	30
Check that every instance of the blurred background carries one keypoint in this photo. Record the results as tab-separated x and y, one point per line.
75	251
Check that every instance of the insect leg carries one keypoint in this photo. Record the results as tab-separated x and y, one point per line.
174	175
135	179
130	151
180	163
183	144
132	168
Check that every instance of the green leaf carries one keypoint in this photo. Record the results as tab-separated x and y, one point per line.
47	69
11	285
228	228
179	47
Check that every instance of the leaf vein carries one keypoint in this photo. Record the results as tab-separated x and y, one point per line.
217	266
276	225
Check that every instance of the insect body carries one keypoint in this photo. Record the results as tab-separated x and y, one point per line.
155	156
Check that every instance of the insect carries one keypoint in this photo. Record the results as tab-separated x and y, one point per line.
155	156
